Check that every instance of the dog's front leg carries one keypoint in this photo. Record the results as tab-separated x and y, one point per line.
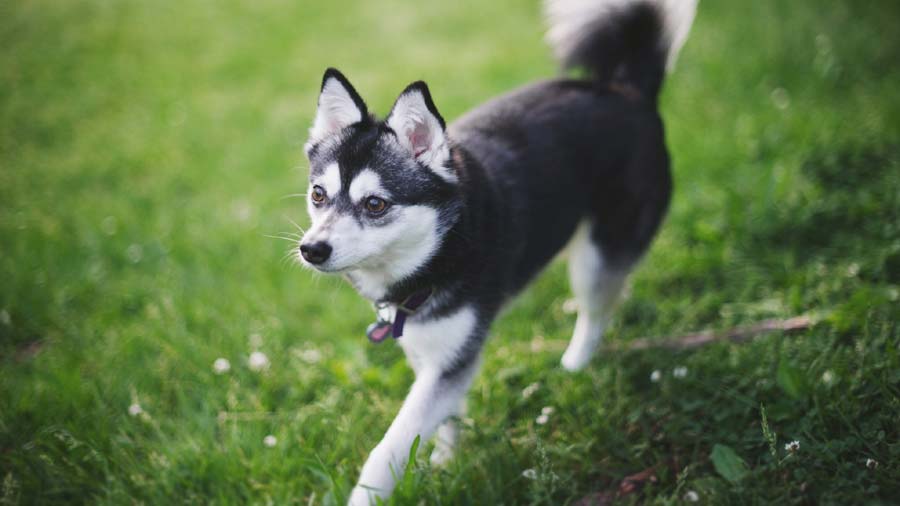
433	397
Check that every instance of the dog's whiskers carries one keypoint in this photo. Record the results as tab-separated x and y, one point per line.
295	224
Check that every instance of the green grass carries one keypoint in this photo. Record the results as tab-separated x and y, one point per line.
145	150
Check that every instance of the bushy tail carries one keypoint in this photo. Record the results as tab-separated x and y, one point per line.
630	42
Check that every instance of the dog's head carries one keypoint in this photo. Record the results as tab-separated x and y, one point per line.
381	193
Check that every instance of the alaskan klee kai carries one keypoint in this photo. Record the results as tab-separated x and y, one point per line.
440	225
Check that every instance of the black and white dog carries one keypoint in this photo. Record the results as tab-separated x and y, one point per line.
440	226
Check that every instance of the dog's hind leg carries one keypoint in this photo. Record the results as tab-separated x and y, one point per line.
596	286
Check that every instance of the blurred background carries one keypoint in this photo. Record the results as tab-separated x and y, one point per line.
157	346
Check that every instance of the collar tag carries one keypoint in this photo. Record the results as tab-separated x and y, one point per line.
390	318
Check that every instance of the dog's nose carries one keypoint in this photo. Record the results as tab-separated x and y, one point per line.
316	252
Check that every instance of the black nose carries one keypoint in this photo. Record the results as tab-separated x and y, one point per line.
316	252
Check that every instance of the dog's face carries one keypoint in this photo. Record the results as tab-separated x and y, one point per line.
381	193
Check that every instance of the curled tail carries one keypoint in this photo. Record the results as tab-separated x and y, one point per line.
630	42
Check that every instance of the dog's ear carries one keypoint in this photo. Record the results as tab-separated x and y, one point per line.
339	107
420	128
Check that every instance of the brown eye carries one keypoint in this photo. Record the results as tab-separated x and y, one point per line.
318	194
375	205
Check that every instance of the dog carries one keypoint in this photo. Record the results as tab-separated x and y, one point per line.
439	226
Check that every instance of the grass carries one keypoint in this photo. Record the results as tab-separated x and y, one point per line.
146	151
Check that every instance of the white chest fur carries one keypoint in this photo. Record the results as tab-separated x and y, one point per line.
434	344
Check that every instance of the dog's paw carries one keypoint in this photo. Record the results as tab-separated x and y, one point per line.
361	496
575	359
441	455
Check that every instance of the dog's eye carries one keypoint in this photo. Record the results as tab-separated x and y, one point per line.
375	205
318	194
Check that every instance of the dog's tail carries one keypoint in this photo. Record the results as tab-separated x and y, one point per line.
628	42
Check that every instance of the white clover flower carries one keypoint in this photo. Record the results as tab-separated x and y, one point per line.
828	377
655	376
530	474
135	409
270	441
135	253
310	355
542	419
221	365
872	463
793	446
530	390
547	410
258	361
691	496
680	372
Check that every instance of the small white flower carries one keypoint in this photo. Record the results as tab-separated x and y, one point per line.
310	355
871	463
135	409
680	372
691	496
270	441
828	377
258	361
530	474
530	390
542	419
655	376
135	253
221	365
781	98
547	410
109	225
793	446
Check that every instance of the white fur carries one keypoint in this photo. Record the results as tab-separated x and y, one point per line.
430	346
431	400
596	288
330	180
375	257
336	111
420	133
365	184
570	20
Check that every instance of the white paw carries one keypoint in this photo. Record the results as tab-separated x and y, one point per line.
575	359
361	497
441	455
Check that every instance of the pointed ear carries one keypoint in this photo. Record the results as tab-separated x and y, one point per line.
420	128
339	107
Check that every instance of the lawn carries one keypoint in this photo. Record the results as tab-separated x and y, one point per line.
148	151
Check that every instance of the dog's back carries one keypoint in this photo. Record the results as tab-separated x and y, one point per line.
561	151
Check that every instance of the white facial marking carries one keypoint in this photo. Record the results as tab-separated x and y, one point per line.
393	252
331	180
366	183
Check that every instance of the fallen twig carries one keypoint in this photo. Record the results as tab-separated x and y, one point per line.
737	335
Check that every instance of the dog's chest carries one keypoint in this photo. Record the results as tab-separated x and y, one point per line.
434	344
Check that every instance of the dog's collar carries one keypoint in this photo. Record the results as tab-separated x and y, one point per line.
383	327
